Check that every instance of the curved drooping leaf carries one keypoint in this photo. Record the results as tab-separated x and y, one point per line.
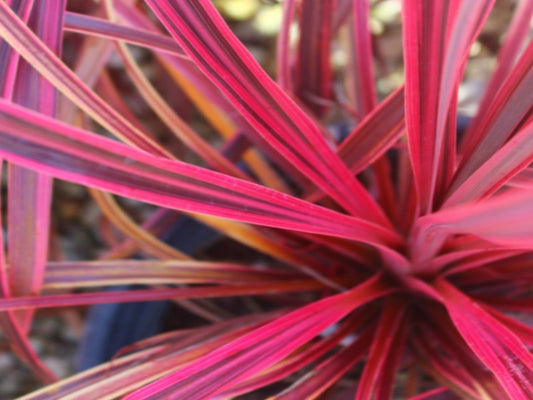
40	57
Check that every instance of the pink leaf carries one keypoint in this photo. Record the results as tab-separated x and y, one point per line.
388	340
502	120
18	35
260	348
506	220
328	372
495	345
507	54
38	142
194	24
68	300
437	36
312	74
362	89
30	193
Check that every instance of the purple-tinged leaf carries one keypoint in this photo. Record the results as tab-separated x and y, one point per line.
260	348
480	258
312	72
79	274
38	142
506	220
377	133
9	59
18	35
9	282
507	54
10	326
444	371
437	36
283	51
308	355
509	160
214	106
362	90
93	55
195	24
441	333
387	336
151	358
504	118
68	300
327	373
29	192
29	206
495	345
86	24
171	119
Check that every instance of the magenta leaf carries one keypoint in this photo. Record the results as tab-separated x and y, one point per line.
362	90
437	36
194	24
312	70
30	193
18	35
510	49
35	141
495	345
506	115
260	348
387	338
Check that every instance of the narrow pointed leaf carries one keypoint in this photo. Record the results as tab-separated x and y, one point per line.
266	107
170	118
150	359
495	345
306	356
35	141
327	373
40	57
362	89
386	337
70	275
504	117
437	36
507	55
513	157
312	70
30	193
505	219
86	24
68	300
260	348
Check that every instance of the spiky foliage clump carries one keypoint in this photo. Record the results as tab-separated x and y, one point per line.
398	258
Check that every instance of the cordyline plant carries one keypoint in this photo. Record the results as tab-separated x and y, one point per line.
396	262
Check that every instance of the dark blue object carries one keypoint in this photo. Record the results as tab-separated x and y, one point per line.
110	327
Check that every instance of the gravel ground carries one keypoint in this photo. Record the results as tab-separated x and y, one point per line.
55	341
